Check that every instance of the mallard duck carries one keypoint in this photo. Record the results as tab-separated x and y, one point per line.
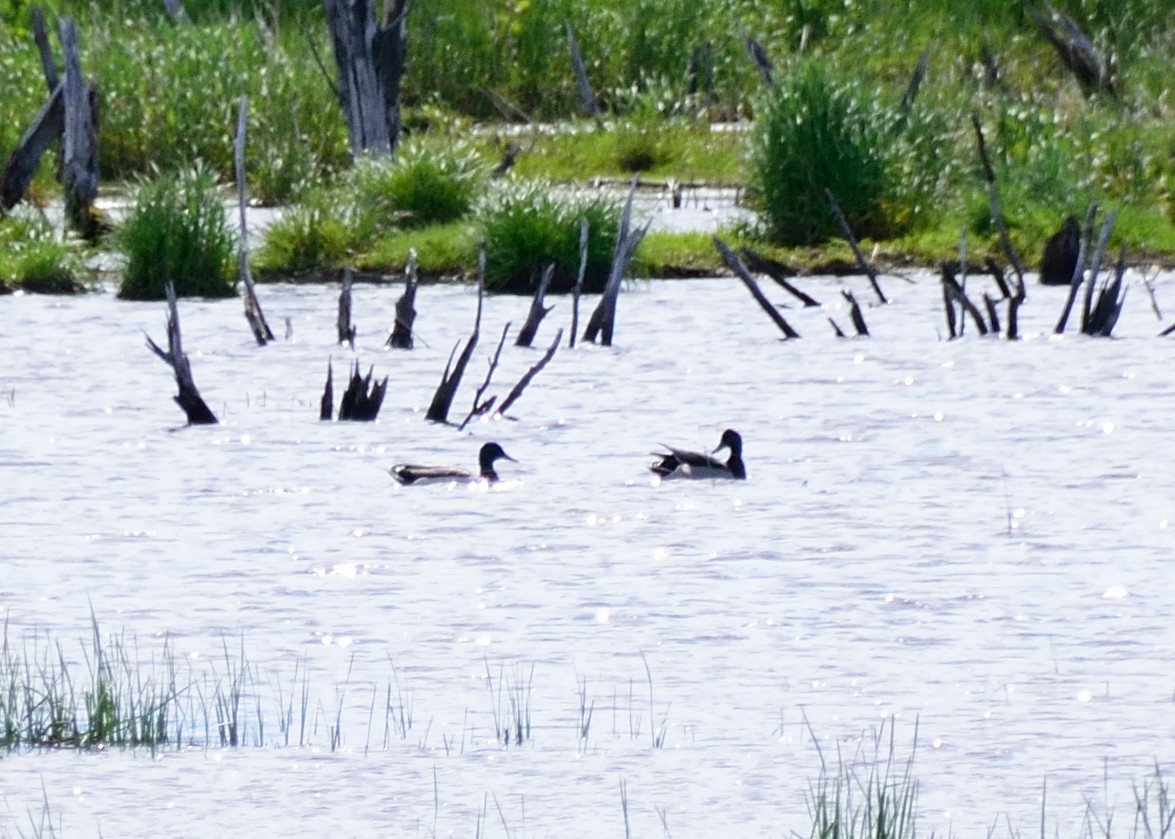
679	463
409	473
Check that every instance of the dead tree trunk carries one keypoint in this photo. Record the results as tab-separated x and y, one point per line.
41	36
529	375
480	407
442	400
584	228
253	314
346	328
537	310
80	154
855	315
26	157
326	407
401	337
866	266
586	94
776	271
603	319
189	397
363	398
1094	73
370	64
736	265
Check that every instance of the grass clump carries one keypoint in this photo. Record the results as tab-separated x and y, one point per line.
530	224
813	134
420	186
319	234
35	259
177	230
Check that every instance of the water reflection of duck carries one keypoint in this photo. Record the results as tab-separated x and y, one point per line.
678	463
409	473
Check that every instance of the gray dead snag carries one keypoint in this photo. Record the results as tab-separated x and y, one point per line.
777	271
997	215
527	377
370	64
401	337
80	144
253	314
865	265
482	407
584	227
759	55
326	407
1094	73
586	95
1110	300
915	83
836	328
41	37
1060	253
1078	270
363	398
177	12
603	320
189	397
26	157
953	294
1095	268
442	400
730	258
855	314
538	311
993	315
343	324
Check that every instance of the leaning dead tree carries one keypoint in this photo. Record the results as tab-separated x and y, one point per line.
730	258
586	95
758	54
777	271
603	320
1019	293
1094	72
482	406
538	310
361	400
527	377
253	314
866	266
442	400
401	337
369	59
189	398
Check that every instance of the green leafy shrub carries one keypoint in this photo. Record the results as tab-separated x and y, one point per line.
422	185
813	134
177	230
34	258
528	225
318	234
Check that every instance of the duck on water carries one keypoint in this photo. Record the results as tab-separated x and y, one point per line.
411	473
679	463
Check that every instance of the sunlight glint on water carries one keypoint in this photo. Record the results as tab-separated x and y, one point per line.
971	534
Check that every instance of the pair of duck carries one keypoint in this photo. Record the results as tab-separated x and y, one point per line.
674	463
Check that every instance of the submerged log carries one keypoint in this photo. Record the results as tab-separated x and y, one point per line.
401	337
538	311
189	398
442	400
80	139
603	320
730	258
369	60
527	377
253	313
777	271
866	266
1060	253
343	324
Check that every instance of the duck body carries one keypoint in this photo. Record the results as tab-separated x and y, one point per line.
681	463
411	474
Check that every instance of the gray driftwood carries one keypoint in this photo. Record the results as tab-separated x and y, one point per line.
538	310
603	320
189	398
401	337
344	325
369	60
730	258
442	400
253	313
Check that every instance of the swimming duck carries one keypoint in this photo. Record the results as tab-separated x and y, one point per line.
678	463
408	473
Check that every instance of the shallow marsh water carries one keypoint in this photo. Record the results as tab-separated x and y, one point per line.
971	535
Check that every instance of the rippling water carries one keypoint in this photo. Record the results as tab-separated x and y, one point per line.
972	535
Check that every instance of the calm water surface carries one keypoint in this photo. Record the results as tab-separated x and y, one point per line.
973	536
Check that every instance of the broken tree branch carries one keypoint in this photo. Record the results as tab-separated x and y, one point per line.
189	398
730	258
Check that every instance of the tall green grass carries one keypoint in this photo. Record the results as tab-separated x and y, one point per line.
177	230
35	258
